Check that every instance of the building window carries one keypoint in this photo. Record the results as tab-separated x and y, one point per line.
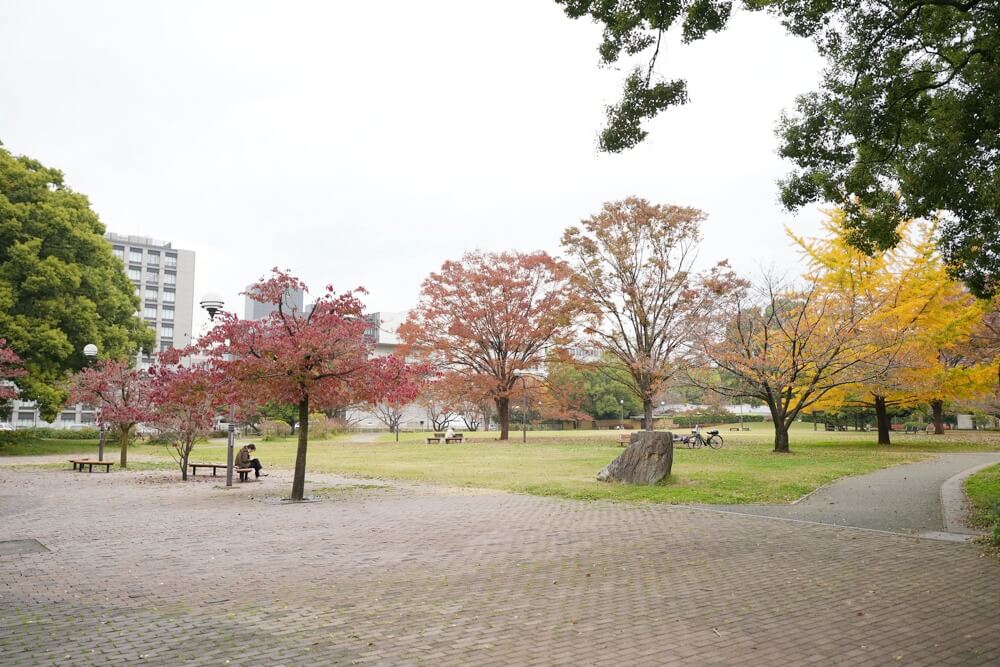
167	331
149	311
165	345
67	417
119	252
25	418
135	256
168	313
153	258
170	261
135	274
169	278
152	276
168	296
152	293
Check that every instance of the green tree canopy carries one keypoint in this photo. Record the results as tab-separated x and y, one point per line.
604	386
61	287
905	124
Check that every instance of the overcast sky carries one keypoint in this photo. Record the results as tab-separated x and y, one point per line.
362	143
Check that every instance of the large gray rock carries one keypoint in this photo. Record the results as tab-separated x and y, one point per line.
647	459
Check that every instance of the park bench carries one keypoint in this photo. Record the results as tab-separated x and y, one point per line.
440	437
214	466
244	473
79	463
624	439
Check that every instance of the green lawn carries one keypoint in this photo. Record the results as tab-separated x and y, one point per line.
983	490
564	463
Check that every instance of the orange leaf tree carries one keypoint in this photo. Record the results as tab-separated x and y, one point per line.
633	268
491	318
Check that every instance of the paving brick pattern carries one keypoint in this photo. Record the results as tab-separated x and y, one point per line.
145	570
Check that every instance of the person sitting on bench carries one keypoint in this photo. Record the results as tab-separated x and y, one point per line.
244	460
449	434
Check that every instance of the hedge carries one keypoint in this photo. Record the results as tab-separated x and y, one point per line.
711	418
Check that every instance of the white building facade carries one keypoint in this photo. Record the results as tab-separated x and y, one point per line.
163	277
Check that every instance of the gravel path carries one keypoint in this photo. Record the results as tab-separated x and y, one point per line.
902	499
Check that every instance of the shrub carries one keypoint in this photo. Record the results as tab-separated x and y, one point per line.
713	417
319	425
274	428
62	433
13	437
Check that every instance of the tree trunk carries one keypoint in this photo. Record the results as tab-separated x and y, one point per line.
780	430
781	438
184	462
123	460
647	413
299	481
397	431
882	418
937	408
503	412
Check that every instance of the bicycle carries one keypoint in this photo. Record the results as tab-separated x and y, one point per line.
696	440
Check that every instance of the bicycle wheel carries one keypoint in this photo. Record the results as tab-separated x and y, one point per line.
715	442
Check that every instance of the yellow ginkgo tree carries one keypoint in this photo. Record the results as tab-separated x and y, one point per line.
924	321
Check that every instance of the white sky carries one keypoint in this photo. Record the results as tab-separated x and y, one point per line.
365	143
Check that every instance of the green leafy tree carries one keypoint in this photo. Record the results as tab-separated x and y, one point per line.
603	387
639	28
905	124
61	287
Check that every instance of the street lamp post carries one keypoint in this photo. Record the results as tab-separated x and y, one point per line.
212	303
524	408
90	351
621	424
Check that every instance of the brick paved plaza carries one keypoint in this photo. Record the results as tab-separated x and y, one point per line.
144	569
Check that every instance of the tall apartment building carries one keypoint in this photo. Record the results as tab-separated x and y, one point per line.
163	277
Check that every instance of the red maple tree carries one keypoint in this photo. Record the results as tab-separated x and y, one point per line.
492	317
185	401
10	368
119	392
314	360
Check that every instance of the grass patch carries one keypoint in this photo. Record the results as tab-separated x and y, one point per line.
983	490
564	463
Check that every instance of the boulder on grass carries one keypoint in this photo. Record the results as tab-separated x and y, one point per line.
647	459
